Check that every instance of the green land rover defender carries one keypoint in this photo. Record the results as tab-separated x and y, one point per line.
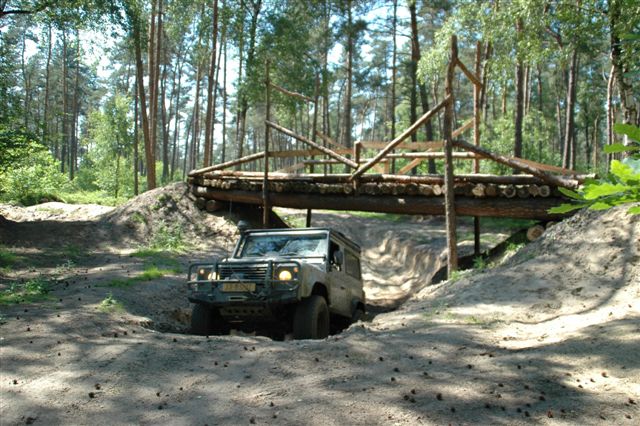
306	281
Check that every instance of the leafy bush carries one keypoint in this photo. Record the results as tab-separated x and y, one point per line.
31	291
28	173
620	186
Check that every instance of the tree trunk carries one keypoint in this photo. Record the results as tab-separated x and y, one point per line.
196	122
415	59
224	105
45	123
65	126
211	108
164	124
519	110
73	152
394	76
610	115
568	157
148	146
347	125
136	115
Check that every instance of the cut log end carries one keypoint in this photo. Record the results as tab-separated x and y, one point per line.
535	232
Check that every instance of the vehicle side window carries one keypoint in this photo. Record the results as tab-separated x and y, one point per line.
353	265
333	248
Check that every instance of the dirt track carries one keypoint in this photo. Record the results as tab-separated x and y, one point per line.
551	336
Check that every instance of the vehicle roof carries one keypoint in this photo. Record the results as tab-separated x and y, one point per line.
337	234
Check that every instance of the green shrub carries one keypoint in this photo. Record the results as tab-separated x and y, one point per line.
30	291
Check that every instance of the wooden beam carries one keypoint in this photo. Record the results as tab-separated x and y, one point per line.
413	163
330	141
460	130
425	155
408	132
522	166
291	168
546	167
248	158
471	76
324	150
449	196
415	146
290	93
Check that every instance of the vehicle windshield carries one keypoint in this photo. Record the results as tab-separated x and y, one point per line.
284	246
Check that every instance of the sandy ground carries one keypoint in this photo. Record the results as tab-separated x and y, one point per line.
550	336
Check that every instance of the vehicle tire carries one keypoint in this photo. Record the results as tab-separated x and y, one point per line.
311	320
201	320
358	315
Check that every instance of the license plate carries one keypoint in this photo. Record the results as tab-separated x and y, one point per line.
238	287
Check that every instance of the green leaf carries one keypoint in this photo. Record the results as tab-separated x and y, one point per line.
600	206
630	36
628	129
566	208
618	147
593	192
626	171
634	210
571	194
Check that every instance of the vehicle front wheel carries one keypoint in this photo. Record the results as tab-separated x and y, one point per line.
206	321
201	320
311	320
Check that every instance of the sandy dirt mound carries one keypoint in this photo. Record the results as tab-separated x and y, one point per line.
550	336
53	211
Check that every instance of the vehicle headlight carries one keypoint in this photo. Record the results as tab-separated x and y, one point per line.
286	272
285	275
206	274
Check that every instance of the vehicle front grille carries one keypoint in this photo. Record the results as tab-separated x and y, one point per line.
251	272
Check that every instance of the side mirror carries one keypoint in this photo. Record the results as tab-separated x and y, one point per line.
338	257
243	226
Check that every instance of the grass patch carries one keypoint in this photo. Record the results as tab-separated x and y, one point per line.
7	258
91	197
499	224
109	304
381	216
158	258
149	274
34	290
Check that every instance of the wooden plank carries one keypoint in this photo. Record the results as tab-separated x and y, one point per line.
424	155
546	167
305	153
290	93
415	146
408	132
413	163
471	76
248	158
514	163
291	168
324	150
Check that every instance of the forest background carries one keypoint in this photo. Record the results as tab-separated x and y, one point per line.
101	100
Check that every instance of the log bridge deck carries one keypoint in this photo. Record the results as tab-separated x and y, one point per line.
529	193
518	196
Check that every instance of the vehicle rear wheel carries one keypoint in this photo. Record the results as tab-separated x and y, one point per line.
311	320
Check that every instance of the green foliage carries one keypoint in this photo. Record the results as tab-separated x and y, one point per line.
168	238
149	274
158	258
33	290
480	263
7	258
620	186
28	173
109	304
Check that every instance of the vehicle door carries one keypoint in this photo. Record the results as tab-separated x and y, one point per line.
353	277
339	287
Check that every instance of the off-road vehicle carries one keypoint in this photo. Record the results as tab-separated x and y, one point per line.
299	280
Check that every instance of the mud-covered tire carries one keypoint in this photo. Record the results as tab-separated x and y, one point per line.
201	320
311	320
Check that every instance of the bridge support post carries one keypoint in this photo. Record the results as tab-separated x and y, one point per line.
308	224
476	140
266	208
449	197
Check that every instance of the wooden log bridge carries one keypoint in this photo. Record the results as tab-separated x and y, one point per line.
369	180
518	196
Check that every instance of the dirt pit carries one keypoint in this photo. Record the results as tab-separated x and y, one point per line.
551	335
